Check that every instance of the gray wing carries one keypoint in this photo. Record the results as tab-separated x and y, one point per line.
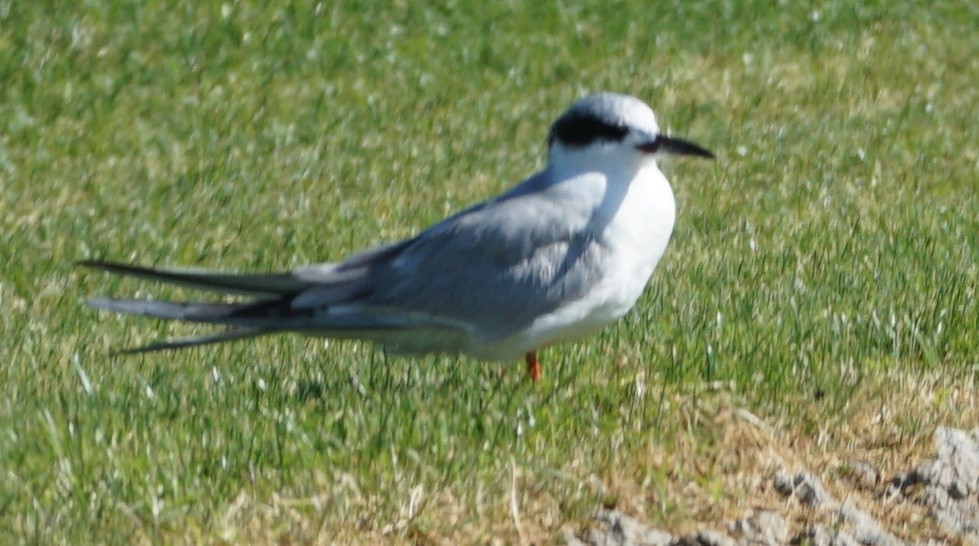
494	267
485	272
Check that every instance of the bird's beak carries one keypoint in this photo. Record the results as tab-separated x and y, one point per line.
675	146
682	147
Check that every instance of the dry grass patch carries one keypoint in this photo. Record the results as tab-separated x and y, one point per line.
716	467
721	467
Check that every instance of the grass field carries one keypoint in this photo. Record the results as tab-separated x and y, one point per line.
823	274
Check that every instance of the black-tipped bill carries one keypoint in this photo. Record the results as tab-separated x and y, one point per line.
674	146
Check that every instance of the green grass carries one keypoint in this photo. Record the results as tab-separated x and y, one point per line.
835	238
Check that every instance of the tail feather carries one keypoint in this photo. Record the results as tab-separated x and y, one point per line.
229	335
171	310
213	313
259	285
279	306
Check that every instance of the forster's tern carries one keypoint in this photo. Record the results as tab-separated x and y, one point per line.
557	257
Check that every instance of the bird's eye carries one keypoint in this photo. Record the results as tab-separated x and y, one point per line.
650	147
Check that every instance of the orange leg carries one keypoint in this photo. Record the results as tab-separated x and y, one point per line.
533	366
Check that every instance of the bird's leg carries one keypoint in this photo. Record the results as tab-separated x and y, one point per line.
533	366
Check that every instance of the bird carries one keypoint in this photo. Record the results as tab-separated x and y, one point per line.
557	257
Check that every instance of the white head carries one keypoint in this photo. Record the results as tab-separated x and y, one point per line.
615	130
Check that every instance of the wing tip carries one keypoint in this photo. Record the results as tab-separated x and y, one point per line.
99	302
233	334
116	267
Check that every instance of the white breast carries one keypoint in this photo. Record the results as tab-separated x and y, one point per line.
639	234
634	233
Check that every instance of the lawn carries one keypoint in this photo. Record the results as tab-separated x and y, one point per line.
823	272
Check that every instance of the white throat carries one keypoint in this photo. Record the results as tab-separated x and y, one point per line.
618	185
